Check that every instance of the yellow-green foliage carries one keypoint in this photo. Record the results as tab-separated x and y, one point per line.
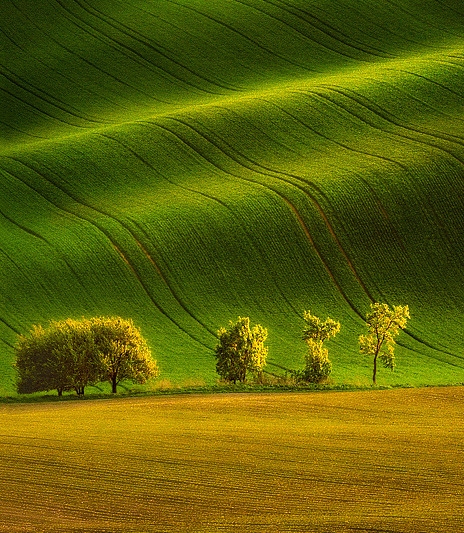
383	326
241	350
249	463
318	366
72	354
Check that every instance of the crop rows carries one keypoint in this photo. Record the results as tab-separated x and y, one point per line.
185	163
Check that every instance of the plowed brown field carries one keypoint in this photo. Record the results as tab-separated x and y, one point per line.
364	461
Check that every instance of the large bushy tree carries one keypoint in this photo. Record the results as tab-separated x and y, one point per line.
60	357
383	326
123	353
35	363
240	350
72	354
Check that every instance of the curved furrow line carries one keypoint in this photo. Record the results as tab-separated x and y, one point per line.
107	235
139	58
98	36
451	8
64	74
420	340
376	51
422	77
375	108
344	145
279	176
40	111
45	96
407	331
374	22
203	195
128	263
158	17
241	34
20	268
385	214
272	173
213	332
252	165
43	239
309	237
417	17
299	121
130	32
327	138
312	39
349	262
12	41
407	128
325	28
4	320
450	60
263	132
405	136
22	132
149	257
13	329
388	117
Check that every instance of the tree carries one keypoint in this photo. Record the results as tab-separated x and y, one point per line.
383	326
123	353
58	357
317	367
240	350
72	354
35	364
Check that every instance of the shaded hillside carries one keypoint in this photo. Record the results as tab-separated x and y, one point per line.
184	162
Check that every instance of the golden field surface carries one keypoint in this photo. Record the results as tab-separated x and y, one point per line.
378	461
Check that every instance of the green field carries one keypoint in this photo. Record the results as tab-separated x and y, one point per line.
183	162
376	461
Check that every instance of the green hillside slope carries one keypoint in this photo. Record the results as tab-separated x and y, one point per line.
184	162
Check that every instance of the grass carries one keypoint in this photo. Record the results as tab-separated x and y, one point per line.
189	162
364	461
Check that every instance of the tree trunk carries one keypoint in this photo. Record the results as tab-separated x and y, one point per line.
375	369
60	392
114	385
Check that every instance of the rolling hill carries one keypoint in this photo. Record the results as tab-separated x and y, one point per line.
184	162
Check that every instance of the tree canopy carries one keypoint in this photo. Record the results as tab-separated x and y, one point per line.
240	350
72	354
383	326
318	366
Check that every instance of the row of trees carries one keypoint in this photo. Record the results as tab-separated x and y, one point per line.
241	347
73	354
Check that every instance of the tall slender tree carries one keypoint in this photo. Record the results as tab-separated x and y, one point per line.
383	326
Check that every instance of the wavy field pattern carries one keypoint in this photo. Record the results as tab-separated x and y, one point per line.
182	162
